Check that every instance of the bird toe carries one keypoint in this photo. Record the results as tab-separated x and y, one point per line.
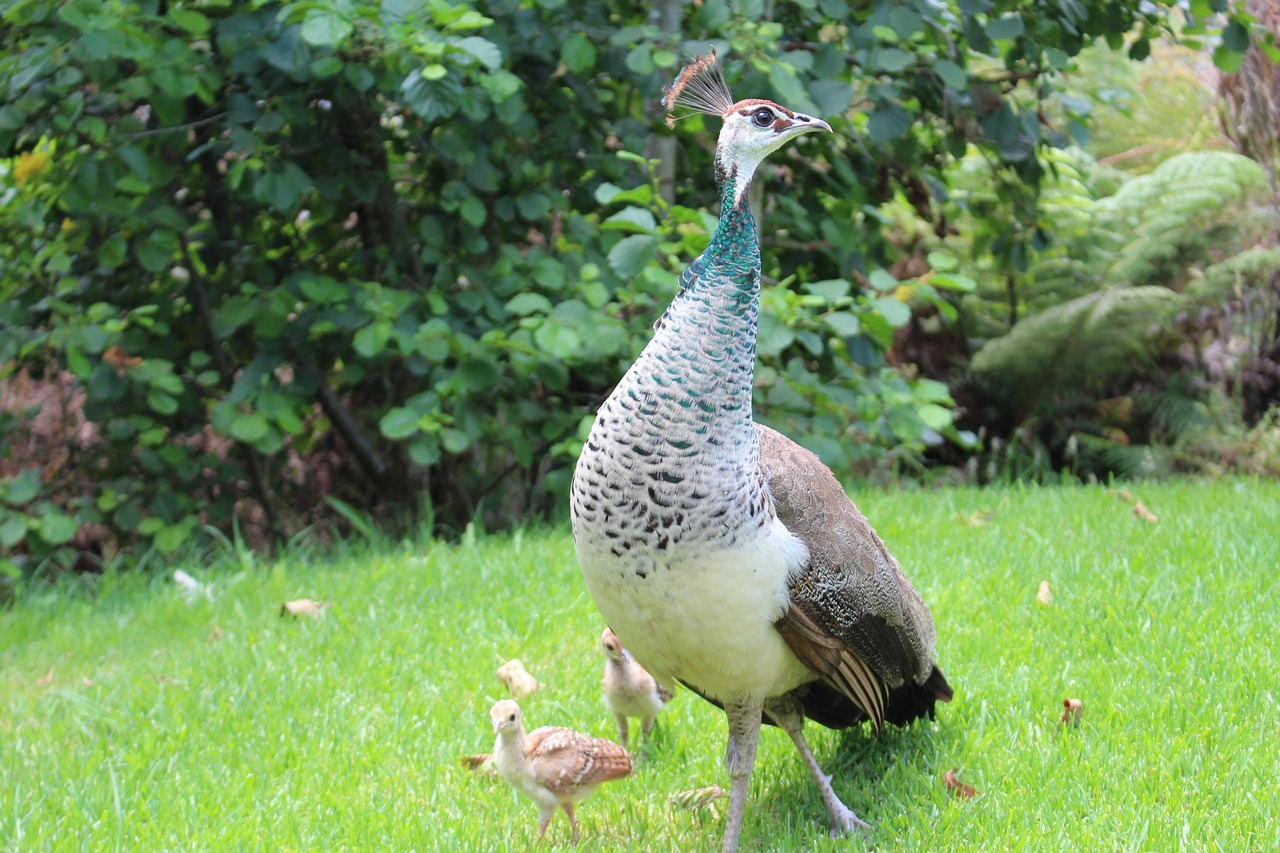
845	822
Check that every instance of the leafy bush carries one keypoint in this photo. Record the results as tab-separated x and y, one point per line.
386	252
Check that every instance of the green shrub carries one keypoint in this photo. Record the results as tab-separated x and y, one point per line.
386	252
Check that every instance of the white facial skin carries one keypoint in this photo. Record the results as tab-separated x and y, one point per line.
752	130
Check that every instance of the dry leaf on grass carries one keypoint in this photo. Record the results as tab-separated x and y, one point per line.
699	799
1072	711
518	680
45	679
1123	494
955	786
1141	511
215	635
1044	594
304	607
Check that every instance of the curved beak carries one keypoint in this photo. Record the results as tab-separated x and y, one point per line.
804	124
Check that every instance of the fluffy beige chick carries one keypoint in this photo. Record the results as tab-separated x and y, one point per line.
553	766
629	690
517	679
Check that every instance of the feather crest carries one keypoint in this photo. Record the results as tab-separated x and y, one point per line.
700	86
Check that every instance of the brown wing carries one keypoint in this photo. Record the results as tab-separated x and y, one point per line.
854	617
564	760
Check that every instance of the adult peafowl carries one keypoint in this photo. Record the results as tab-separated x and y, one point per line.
722	554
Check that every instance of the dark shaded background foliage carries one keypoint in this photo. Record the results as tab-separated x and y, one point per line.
395	254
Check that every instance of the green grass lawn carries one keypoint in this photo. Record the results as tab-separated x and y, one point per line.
132	719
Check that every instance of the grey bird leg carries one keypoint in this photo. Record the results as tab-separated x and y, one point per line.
787	713
739	759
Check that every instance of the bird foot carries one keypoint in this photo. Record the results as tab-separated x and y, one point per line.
844	821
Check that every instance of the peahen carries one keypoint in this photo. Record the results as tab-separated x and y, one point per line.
724	555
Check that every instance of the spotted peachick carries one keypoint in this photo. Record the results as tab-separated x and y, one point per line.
722	554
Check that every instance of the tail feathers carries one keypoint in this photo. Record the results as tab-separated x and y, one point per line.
828	707
913	701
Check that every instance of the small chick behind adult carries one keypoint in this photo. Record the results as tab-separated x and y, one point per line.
630	691
551	765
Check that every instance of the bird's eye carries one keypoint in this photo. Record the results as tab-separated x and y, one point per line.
762	117
511	719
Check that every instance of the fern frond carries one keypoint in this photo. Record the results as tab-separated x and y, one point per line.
1089	342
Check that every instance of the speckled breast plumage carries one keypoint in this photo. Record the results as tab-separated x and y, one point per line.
672	462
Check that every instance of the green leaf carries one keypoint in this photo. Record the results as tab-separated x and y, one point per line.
425	450
189	20
558	339
371	340
233	314
323	27
633	219
1227	60
831	290
170	537
893	59
888	123
832	97
482	49
785	82
895	312
1008	27
12	530
324	289
524	304
905	22
931	390
1236	37
478	373
161	403
77	362
249	428
632	254
843	323
942	261
21	488
400	11
883	280
399	423
454	440
904	422
952	281
639	60
951	74
935	417
56	527
474	211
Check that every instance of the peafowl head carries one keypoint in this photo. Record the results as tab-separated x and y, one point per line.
505	716
753	128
